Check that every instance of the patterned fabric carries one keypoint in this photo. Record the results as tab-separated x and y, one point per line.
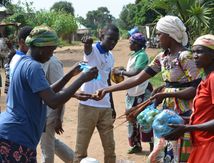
205	40
12	152
178	151
138	38
7	69
179	68
7	77
185	147
174	27
42	36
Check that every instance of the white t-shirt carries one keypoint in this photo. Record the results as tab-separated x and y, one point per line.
104	62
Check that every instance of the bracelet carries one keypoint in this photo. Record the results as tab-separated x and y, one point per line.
121	72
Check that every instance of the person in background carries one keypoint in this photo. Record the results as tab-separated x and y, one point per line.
133	31
54	71
23	122
138	60
201	123
49	144
93	113
3	49
23	33
180	74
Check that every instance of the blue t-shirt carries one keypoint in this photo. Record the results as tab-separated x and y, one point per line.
24	119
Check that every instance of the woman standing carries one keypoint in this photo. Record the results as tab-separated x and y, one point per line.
138	60
178	69
201	121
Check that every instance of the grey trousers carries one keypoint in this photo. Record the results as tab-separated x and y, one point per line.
50	146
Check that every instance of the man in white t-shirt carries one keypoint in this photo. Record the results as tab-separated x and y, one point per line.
93	113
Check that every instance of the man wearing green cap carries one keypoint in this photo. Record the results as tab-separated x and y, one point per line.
23	122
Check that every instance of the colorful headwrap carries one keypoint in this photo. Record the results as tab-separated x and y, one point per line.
138	38
174	27
205	40
42	36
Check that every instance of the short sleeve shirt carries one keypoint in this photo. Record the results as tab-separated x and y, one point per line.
141	60
54	71
104	62
176	68
203	109
179	68
24	119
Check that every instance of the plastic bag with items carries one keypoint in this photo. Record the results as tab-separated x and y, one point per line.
85	67
160	124
146	118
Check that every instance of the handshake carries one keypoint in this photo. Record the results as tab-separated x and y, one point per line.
85	96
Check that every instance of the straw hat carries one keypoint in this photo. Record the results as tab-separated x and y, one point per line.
89	160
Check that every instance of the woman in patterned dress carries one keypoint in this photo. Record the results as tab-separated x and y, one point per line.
179	73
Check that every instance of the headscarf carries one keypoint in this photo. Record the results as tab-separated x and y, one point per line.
174	27
133	31
42	36
138	38
205	40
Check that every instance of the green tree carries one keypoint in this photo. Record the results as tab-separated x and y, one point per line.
138	14
22	12
127	14
62	22
97	19
63	6
5	2
196	14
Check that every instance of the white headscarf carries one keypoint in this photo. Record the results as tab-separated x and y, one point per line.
174	27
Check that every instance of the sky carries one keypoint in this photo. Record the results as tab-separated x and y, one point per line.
81	7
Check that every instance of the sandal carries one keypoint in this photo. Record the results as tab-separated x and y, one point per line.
135	149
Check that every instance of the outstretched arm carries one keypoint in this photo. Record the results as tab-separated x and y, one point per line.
129	83
58	85
185	94
123	72
181	129
207	126
54	100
